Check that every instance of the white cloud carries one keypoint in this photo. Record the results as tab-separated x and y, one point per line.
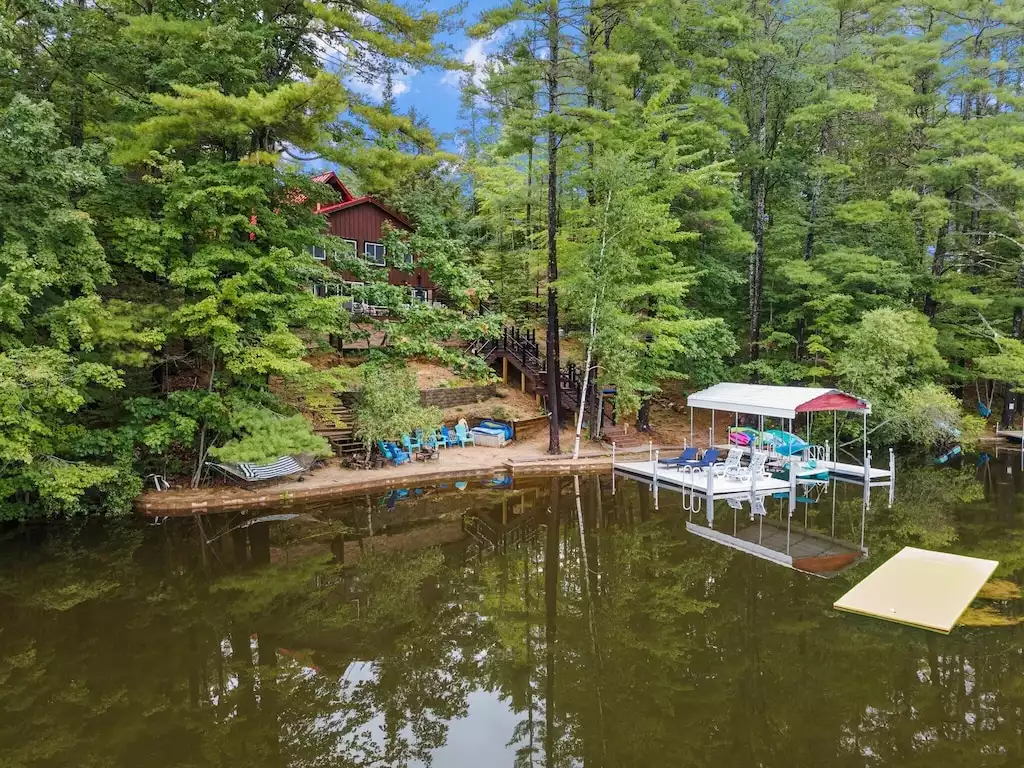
475	56
375	88
335	58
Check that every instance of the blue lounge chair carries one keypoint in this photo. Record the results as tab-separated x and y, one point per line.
464	436
688	455
709	459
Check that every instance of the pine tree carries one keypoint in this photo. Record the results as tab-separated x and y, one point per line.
545	26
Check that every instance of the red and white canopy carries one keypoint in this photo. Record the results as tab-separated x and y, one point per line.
776	402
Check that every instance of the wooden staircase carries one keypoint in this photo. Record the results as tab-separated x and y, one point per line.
624	436
521	349
341	434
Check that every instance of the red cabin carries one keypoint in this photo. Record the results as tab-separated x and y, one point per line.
359	221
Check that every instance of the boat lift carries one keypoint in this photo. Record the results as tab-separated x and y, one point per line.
784	403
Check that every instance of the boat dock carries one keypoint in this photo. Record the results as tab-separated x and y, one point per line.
698	482
856	472
840	469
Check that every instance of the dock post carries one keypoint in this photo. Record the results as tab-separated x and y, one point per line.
867	468
792	487
711	438
892	476
710	492
828	452
613	468
657	454
650	450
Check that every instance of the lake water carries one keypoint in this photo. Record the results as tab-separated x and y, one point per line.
546	622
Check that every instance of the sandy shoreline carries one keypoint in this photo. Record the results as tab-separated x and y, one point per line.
334	480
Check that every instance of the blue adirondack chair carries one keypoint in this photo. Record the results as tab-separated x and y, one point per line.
411	444
429	442
393	453
449	436
400	456
464	436
688	455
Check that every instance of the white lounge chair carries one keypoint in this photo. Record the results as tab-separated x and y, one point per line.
731	466
754	470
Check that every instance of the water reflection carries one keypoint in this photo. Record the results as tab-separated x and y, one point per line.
543	622
764	526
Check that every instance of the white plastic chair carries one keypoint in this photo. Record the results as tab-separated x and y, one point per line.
755	469
731	466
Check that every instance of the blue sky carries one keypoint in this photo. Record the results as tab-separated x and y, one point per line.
435	93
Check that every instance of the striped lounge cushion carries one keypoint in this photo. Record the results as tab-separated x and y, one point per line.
284	466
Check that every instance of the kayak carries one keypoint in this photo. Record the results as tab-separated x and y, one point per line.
805	470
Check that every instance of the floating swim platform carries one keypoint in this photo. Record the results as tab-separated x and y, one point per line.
920	588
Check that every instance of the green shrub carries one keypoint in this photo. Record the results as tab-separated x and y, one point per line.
388	405
263	435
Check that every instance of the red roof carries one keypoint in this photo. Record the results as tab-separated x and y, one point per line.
364	200
330	178
833	401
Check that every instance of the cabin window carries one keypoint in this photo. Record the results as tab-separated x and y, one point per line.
318	252
375	253
347	250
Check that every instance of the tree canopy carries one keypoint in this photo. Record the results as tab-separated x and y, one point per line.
671	192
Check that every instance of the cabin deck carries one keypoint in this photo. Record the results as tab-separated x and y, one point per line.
670	477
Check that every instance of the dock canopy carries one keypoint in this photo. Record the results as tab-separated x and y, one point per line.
776	402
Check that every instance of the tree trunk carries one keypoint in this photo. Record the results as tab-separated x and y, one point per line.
592	35
551	561
586	380
756	266
598	294
197	476
1018	333
76	109
552	351
643	416
529	198
938	266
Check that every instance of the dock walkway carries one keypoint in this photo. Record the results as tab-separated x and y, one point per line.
671	477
